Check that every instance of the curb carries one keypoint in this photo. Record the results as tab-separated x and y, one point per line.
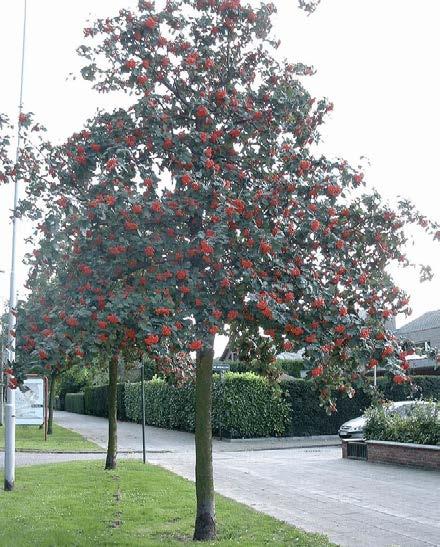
279	440
280	443
269	448
122	452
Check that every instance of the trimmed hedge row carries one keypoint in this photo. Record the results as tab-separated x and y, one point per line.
422	426
96	401
308	418
288	366
244	406
74	402
428	387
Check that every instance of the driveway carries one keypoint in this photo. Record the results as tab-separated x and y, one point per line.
355	503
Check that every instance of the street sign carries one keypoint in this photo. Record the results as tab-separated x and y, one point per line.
221	367
29	403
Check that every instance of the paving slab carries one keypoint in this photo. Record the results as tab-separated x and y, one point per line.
355	503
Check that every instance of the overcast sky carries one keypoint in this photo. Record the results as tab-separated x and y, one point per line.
376	60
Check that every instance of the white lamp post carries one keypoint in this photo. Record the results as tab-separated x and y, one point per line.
2	363
10	393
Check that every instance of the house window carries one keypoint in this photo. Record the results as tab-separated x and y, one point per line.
424	346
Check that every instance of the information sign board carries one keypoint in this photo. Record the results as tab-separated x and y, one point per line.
29	402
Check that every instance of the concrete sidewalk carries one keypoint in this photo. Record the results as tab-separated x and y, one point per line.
164	440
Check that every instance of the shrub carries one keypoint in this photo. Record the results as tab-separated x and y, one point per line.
73	380
247	405
290	367
96	401
244	405
74	402
427	387
422	426
308	418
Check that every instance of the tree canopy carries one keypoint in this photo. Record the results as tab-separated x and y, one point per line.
202	205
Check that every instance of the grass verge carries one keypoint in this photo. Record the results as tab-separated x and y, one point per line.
81	504
31	439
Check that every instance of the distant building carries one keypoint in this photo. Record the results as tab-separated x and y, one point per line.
424	331
229	355
423	366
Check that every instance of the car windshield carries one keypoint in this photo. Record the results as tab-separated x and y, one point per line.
401	410
408	408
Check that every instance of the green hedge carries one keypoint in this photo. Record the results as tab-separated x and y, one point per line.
74	402
428	387
422	426
244	406
73	380
96	401
308	418
290	367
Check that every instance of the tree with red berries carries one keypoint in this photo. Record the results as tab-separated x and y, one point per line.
205	207
60	325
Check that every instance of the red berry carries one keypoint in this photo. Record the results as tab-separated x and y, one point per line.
195	345
150	23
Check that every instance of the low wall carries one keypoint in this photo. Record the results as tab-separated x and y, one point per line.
416	455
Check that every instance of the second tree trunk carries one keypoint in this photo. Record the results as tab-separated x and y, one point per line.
205	528
53	379
112	446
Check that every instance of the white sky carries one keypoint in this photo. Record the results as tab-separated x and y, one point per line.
377	61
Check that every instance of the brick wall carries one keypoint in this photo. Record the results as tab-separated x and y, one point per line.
414	455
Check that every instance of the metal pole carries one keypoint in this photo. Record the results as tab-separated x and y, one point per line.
143	411
1	383
10	393
375	377
2	375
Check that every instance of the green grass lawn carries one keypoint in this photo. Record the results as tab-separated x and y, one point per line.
81	504
31	438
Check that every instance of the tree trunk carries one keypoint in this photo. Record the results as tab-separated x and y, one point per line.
53	379
205	528
112	446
